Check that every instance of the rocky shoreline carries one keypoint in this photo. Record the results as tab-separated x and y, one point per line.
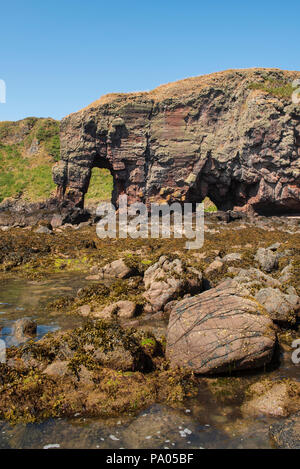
159	328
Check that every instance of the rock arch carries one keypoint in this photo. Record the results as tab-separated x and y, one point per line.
213	136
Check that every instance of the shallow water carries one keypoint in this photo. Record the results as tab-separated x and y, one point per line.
157	427
21	298
202	422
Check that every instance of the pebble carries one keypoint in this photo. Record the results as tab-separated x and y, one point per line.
113	437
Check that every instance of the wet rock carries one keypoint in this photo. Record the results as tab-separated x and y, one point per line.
286	434
220	330
168	279
282	308
274	399
24	329
267	259
123	309
117	269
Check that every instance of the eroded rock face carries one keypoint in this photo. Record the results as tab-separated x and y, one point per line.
220	330
212	136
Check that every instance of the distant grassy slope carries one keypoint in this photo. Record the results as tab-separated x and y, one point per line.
28	150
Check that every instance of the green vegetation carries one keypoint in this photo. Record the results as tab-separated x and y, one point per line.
101	185
28	150
278	88
209	206
18	177
48	133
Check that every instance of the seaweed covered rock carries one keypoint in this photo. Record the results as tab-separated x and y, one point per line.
272	398
219	331
97	343
124	309
100	369
167	279
254	279
286	434
267	259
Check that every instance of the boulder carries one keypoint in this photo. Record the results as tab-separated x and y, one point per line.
215	266
233	256
123	309
117	269
253	278
24	329
220	330
281	307
267	259
167	279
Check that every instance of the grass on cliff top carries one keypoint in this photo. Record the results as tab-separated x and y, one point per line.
280	89
188	86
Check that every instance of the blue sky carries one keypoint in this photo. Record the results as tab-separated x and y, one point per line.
58	56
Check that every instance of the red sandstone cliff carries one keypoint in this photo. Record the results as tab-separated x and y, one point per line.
234	136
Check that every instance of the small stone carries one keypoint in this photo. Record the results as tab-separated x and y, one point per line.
84	310
124	309
215	266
